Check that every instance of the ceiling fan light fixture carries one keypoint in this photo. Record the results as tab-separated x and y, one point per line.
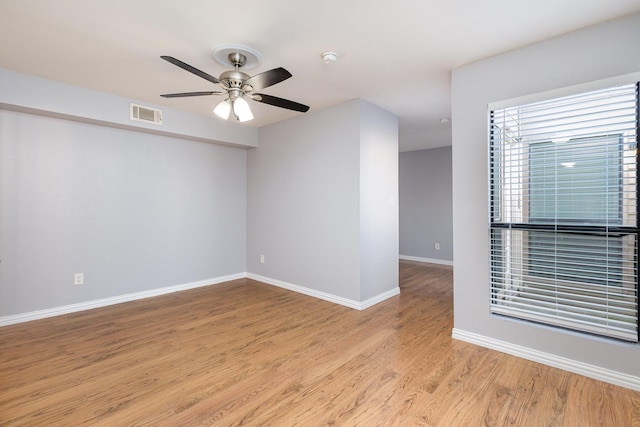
223	109
237	84
241	110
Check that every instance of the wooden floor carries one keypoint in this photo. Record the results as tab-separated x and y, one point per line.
246	353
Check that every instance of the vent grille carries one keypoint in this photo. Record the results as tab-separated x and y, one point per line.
145	114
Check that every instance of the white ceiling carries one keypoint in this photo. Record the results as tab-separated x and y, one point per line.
396	54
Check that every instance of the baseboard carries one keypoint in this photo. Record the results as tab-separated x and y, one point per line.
88	305
429	260
588	370
379	298
358	305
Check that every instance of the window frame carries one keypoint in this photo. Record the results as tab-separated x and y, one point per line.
497	223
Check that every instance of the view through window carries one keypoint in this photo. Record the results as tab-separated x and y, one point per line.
563	211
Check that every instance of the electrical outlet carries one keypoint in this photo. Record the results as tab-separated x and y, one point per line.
436	246
261	259
78	279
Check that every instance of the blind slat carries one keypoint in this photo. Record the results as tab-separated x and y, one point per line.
565	172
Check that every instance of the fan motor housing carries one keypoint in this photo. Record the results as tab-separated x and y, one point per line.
234	78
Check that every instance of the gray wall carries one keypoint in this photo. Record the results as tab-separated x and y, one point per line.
138	208
54	99
304	200
378	201
426	215
130	210
584	56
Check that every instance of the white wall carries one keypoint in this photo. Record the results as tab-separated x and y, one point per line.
132	211
592	54
426	215
306	183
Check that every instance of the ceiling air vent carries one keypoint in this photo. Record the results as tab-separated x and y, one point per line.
145	114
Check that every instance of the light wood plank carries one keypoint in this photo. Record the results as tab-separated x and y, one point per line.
245	353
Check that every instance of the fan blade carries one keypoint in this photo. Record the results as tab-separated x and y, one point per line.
184	94
279	102
193	70
268	78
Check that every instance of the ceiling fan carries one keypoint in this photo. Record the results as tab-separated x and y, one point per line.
238	85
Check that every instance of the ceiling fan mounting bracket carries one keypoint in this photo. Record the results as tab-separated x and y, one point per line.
231	54
237	59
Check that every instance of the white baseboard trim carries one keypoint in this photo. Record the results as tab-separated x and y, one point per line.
379	298
88	305
588	370
429	260
326	296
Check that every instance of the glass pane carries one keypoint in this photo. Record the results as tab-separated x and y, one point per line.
578	181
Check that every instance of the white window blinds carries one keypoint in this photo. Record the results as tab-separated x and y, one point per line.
563	212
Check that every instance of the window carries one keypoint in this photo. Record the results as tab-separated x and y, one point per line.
564	212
